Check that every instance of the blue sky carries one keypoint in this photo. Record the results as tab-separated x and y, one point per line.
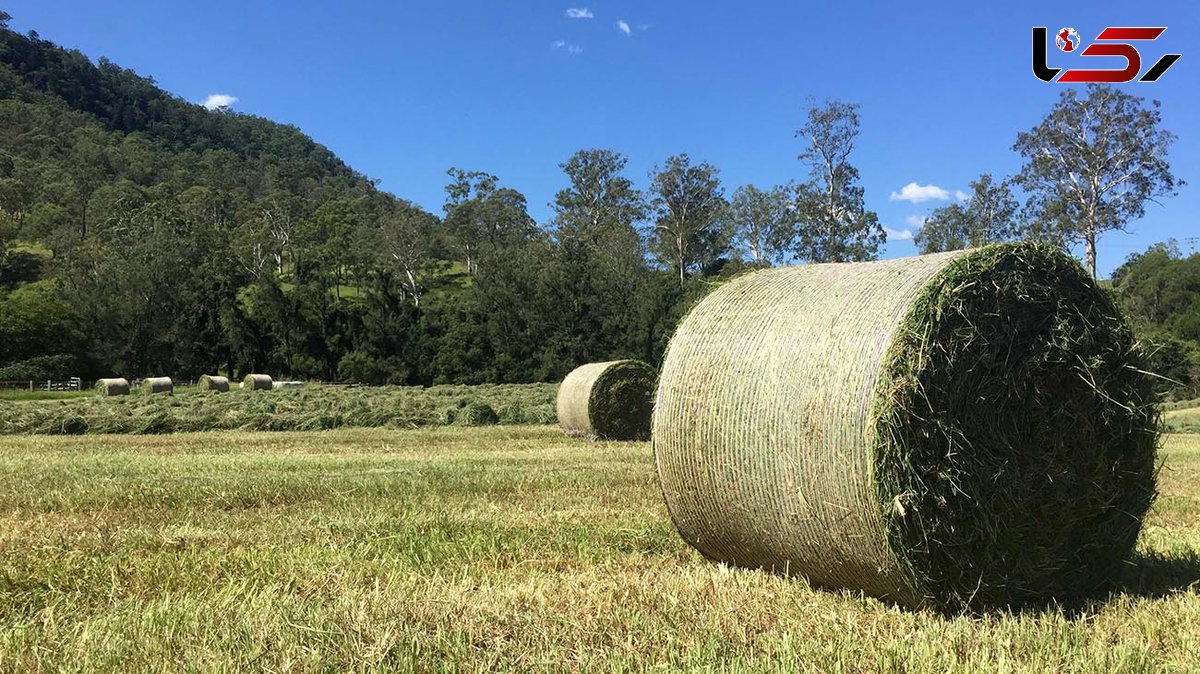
402	91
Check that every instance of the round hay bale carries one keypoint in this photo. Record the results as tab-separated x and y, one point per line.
609	400
116	386
158	385
213	383
257	382
963	431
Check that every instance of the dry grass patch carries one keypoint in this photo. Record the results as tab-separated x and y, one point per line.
500	548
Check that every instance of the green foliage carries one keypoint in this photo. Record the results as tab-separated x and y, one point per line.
688	204
144	235
989	216
1093	163
763	222
833	222
57	368
1160	292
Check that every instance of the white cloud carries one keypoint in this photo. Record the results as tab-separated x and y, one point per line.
580	13
918	193
563	44
624	27
898	234
961	195
215	101
915	220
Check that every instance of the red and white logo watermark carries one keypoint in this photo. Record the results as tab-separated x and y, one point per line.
1112	41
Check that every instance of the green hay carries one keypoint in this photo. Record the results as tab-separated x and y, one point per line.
1016	434
313	407
610	400
962	431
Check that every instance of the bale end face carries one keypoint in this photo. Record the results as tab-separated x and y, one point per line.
612	400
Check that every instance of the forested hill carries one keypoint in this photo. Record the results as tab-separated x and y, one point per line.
122	101
141	234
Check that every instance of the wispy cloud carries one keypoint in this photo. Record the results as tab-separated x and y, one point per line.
898	234
570	48
918	193
624	27
215	101
961	195
580	13
915	220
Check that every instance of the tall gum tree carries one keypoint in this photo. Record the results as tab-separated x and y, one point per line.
834	224
1094	162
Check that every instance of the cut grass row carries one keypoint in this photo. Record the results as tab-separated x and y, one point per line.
308	408
312	408
479	549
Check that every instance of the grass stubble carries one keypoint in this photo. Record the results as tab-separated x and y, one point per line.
505	548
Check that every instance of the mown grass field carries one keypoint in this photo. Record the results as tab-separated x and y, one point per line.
505	548
301	409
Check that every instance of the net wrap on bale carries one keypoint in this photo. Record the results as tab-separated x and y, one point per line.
609	400
158	385
963	431
113	386
215	383
257	382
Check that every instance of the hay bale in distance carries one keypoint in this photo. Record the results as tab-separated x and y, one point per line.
116	386
257	382
287	384
158	385
962	431
213	383
609	400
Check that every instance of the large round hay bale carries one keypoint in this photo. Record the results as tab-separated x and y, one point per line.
158	385
257	382
963	431
213	383
116	386
609	400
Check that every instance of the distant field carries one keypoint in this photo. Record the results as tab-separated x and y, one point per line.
307	408
479	549
1179	419
18	396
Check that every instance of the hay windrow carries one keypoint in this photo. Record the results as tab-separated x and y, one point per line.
610	400
964	431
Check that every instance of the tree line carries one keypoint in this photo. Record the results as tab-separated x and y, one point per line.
141	234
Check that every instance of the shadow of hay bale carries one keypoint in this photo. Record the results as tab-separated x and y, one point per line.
1154	575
